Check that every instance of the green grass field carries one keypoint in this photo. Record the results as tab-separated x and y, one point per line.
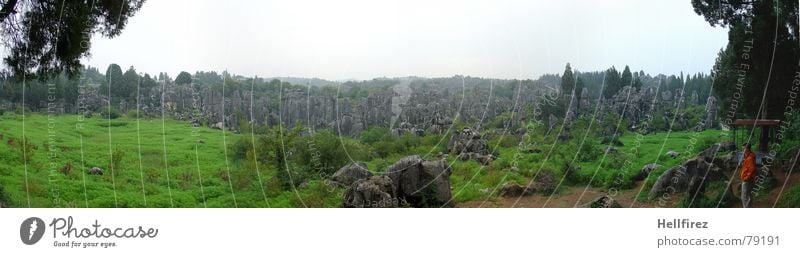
169	164
172	164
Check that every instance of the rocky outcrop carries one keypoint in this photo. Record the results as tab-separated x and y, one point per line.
467	141
645	171
603	201
696	173
373	192
512	189
409	181
350	173
422	183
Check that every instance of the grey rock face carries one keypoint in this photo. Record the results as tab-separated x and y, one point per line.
350	173
373	192
467	141
422	183
691	176
711	112
645	171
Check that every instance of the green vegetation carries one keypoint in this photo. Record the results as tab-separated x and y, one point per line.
146	164
790	198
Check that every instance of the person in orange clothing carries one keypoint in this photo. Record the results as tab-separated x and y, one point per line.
747	175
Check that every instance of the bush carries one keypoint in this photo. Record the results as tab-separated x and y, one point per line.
3	198
109	114
716	195
133	114
790	198
116	160
240	148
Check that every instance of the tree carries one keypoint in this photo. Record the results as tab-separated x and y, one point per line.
44	38
113	80
567	85
754	73
637	83
147	82
627	77
567	81
183	78
612	82
130	80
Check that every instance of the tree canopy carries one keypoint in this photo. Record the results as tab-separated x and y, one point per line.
44	38
753	74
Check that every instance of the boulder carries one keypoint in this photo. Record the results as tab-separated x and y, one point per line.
484	159
672	154
217	125
711	152
467	141
611	150
604	201
96	171
669	181
351	173
373	192
545	183
512	189
422	183
691	176
645	171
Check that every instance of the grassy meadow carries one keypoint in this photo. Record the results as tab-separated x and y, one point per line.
150	162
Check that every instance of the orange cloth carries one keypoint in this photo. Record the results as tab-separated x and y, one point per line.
748	166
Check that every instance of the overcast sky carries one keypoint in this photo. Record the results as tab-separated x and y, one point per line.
347	39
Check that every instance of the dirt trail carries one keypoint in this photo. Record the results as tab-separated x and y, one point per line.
570	195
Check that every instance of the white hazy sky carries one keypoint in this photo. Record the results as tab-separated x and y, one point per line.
351	39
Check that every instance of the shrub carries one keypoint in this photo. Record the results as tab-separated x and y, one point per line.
790	198
116	160
4	201
716	195
133	114
113	113
25	149
240	148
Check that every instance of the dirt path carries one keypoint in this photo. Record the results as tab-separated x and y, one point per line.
568	197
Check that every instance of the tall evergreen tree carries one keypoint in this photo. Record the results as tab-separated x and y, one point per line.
612	82
627	77
567	81
760	58
112	81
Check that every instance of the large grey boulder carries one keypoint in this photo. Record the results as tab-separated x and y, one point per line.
692	176
373	192
350	173
422	183
645	171
669	181
467	141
